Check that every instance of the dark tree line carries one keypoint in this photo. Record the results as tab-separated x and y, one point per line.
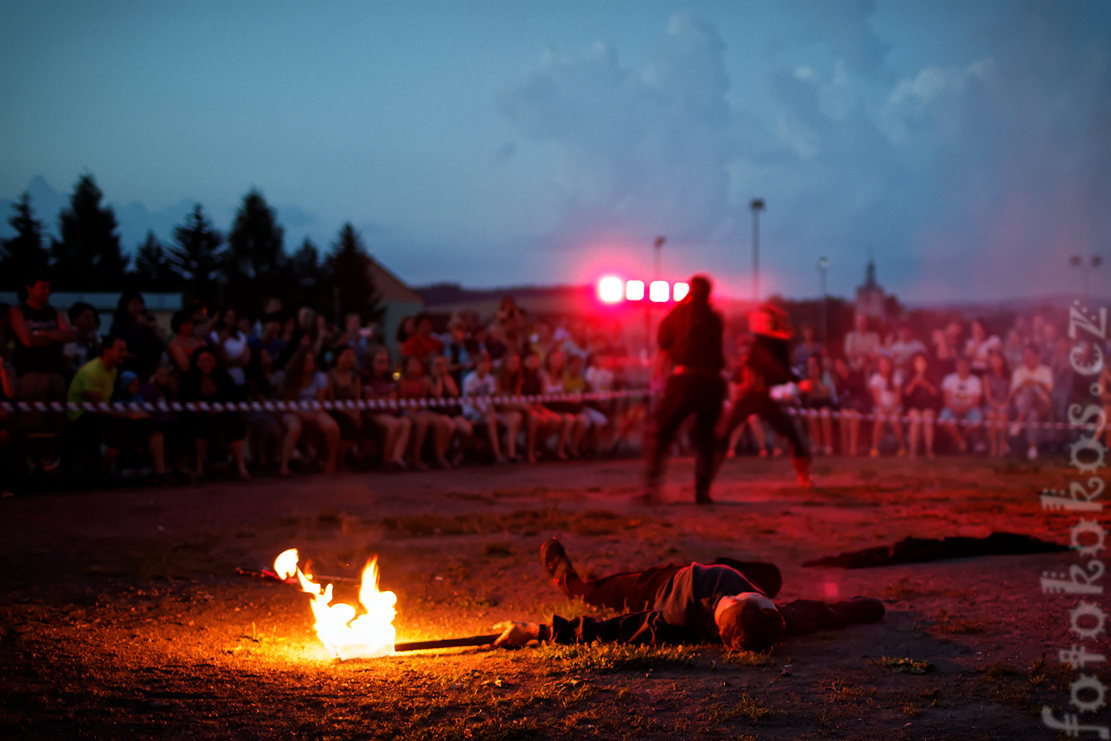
240	269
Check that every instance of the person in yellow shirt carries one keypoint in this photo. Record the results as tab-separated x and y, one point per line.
95	381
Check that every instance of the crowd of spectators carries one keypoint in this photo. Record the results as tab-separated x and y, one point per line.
987	395
429	404
880	391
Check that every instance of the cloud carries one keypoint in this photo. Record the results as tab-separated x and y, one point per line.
641	149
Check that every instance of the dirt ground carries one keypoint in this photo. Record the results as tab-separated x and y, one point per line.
123	615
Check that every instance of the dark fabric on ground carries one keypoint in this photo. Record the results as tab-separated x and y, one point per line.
921	550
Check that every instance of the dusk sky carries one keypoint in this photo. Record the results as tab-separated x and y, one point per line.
967	145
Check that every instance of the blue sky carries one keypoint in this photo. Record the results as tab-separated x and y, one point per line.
964	144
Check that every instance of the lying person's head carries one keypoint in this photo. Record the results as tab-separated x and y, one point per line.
748	621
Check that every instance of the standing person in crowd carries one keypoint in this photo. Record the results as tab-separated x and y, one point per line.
130	324
818	396
269	338
95	381
422	344
807	347
442	387
301	381
690	338
945	354
358	338
862	345
997	398
395	426
921	399
344	386
185	341
1013	347
40	335
456	351
406	329
979	345
478	408
1031	385
509	316
885	385
766	366
962	392
573	429
904	348
231	346
208	381
86	345
854	399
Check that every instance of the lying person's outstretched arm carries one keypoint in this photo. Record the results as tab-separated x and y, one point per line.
647	628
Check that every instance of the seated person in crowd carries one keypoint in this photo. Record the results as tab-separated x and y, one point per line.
119	430
207	381
961	393
395	426
886	403
415	385
301	382
443	389
997	403
818	396
1031	385
480	410
921	399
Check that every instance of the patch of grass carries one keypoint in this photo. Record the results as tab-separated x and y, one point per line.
741	706
905	665
606	658
747	658
948	625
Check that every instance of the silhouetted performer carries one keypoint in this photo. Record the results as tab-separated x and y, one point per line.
767	365
691	335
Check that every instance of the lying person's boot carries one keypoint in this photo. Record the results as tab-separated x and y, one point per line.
556	562
859	610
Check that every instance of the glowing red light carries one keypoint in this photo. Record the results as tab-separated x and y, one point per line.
634	290
659	291
610	289
680	290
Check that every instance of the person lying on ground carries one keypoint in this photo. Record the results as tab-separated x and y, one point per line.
729	601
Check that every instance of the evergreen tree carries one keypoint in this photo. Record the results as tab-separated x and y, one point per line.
197	257
23	252
300	281
153	271
255	241
351	286
88	255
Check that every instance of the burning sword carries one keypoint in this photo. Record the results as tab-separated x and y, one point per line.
366	635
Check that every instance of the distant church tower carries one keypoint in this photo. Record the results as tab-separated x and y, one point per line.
870	297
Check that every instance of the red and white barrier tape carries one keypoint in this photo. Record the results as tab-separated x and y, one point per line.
217	407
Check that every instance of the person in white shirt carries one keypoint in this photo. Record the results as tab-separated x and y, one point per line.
1031	384
961	392
478	386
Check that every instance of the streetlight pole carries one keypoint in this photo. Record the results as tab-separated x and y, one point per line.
648	304
757	205
823	266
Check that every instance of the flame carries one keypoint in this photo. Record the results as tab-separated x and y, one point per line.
344	632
